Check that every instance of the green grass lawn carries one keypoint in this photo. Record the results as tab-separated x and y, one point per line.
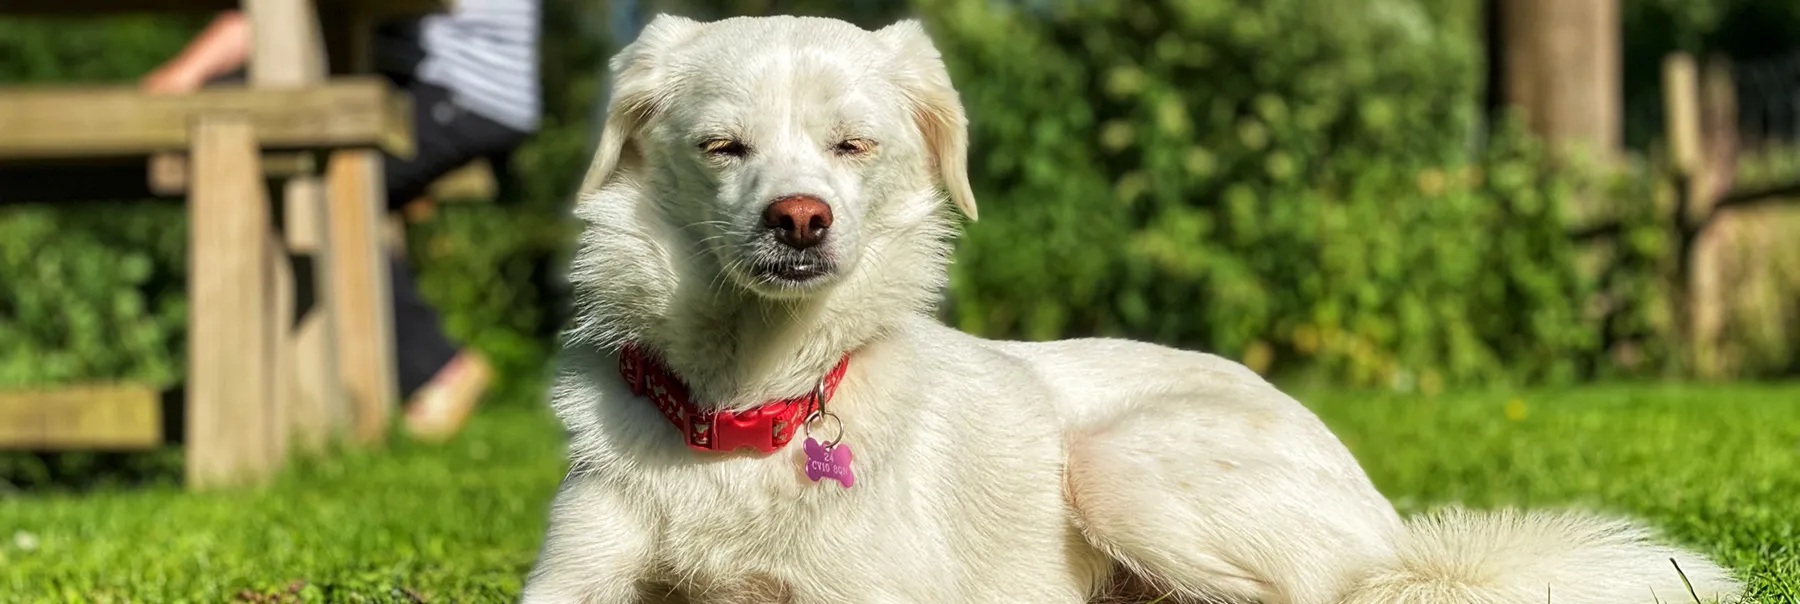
1716	467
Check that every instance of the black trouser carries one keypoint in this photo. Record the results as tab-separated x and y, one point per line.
447	137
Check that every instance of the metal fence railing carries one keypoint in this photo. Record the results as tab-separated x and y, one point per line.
1768	99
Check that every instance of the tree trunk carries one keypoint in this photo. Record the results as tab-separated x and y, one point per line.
1561	66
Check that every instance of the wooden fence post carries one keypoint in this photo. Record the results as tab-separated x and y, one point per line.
1701	113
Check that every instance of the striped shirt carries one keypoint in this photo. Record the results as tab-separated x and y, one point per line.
485	52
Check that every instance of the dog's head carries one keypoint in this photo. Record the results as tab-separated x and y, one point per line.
785	149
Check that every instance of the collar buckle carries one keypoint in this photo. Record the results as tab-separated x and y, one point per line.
752	428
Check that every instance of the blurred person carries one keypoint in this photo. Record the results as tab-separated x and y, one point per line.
472	73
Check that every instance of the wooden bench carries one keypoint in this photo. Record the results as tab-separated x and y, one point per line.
263	379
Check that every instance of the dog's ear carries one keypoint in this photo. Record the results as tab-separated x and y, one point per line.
937	109
639	90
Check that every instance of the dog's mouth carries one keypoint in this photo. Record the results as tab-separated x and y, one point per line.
794	272
770	269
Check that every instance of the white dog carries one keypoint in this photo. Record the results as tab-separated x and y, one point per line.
767	234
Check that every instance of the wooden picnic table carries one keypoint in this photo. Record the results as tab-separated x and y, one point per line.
304	137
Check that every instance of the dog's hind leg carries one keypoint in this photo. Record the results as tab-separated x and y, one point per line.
1228	497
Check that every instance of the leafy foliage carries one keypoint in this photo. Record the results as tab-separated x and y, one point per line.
1303	185
1286	182
90	291
96	291
89	294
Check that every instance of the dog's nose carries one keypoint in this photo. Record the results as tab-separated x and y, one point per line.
799	221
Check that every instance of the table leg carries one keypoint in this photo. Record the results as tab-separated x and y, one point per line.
318	406
231	419
278	295
359	272
289	52
288	48
360	289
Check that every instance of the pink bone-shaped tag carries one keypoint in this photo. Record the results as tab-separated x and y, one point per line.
833	462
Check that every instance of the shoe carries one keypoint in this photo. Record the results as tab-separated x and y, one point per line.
440	408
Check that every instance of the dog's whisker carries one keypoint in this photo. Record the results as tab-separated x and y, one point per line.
714	222
721	280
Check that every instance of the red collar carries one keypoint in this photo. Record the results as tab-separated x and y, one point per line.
766	428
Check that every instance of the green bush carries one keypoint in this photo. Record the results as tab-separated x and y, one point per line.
97	291
1286	182
492	271
1295	183
87	294
90	291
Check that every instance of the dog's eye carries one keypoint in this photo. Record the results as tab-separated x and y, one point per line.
724	146
854	146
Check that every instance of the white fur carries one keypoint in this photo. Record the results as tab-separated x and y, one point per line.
987	472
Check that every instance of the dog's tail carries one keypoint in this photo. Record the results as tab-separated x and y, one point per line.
1459	556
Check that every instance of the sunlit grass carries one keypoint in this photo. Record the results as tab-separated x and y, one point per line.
1715	468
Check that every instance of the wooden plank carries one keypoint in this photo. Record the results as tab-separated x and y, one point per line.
360	290
285	56
362	301
285	398
230	428
287	53
68	122
109	417
287	50
168	174
1718	134
320	406
376	8
1681	112
1712	287
169	171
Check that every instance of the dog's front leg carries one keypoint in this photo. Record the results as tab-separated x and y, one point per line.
596	551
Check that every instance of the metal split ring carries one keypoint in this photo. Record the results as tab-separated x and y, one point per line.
820	414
